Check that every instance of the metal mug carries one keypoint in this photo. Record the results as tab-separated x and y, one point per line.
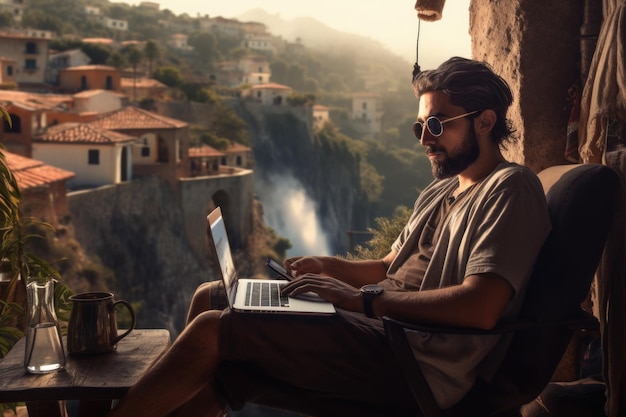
92	327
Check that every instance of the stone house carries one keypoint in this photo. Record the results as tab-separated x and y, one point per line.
367	113
7	71
162	146
139	88
237	155
320	116
179	41
97	156
29	117
64	59
30	52
89	77
14	7
205	160
270	94
43	187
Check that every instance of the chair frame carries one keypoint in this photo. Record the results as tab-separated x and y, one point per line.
593	180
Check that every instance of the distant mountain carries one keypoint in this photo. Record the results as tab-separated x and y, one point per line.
312	33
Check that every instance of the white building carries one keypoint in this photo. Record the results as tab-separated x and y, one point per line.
367	113
320	116
97	101
14	7
61	60
29	52
97	156
271	94
226	27
264	42
179	41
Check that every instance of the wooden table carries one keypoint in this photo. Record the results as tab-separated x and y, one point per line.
93	380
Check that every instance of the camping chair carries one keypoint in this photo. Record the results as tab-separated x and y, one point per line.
581	202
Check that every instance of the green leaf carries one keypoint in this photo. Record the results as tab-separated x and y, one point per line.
6	116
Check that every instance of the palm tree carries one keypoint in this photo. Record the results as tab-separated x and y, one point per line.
152	52
134	57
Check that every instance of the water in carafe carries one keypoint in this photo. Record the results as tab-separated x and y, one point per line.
44	349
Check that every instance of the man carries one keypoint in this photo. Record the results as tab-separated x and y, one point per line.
463	259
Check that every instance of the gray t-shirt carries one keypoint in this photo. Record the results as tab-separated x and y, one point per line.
498	228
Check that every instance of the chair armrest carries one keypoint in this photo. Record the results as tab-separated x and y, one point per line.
395	332
581	320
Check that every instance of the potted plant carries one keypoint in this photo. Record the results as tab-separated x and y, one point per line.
17	264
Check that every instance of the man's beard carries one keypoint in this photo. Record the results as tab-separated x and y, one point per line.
458	159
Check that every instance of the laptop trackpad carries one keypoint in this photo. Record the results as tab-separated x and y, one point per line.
309	296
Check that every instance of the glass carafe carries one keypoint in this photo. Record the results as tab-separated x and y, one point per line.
44	349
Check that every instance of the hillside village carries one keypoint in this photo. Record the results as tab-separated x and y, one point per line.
78	126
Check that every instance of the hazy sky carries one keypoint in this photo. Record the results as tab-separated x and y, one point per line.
392	22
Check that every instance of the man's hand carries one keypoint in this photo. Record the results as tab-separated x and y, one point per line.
301	265
339	293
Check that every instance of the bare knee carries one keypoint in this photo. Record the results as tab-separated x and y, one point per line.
204	328
208	296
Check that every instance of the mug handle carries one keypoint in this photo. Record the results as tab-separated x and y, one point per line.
132	319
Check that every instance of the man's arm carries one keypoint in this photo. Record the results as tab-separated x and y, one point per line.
477	302
354	272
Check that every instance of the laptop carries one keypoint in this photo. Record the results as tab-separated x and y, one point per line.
255	295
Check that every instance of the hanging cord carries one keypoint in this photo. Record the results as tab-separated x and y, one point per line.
416	67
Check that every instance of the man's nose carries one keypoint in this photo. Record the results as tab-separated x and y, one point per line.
427	138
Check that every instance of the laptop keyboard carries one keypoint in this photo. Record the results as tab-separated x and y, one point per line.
265	294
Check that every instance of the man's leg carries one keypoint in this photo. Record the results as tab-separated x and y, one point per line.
208	296
183	371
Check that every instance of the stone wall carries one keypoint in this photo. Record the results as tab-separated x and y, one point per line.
233	193
535	46
153	237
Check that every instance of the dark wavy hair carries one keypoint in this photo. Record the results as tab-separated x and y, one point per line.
474	86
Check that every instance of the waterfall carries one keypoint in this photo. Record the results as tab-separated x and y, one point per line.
291	212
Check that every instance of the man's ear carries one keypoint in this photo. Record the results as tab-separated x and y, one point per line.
485	121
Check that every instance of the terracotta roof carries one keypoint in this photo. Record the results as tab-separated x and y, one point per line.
31	173
136	118
142	82
275	86
236	148
32	100
204	150
82	133
21	36
105	41
91	68
91	93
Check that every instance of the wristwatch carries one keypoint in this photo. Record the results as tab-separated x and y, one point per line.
370	292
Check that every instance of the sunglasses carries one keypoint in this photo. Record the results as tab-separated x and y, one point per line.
434	125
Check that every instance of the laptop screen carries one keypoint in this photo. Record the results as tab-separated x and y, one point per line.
222	248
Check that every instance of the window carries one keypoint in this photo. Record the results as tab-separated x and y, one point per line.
31	48
223	160
364	105
83	82
30	64
109	83
93	156
239	160
10	70
145	151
